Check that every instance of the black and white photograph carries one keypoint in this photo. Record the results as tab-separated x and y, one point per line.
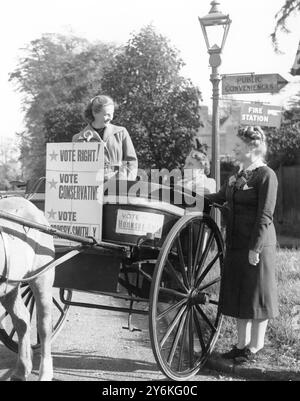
150	193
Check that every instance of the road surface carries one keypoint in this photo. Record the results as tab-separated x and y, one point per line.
93	346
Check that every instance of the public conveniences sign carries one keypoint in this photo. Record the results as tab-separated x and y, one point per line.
260	114
74	180
252	83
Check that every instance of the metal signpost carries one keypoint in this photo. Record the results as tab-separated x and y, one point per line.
252	83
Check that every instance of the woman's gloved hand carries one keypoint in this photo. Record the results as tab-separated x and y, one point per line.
253	258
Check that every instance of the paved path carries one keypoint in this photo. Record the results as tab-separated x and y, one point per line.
92	346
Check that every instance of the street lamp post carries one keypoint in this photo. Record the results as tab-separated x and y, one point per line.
215	61
215	26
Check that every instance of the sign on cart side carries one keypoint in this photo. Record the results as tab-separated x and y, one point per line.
139	223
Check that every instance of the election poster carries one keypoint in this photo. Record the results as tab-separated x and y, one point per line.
74	189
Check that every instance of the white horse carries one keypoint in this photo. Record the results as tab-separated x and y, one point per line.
24	252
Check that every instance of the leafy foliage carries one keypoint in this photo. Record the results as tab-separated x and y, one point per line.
8	173
9	165
57	75
157	105
289	7
284	143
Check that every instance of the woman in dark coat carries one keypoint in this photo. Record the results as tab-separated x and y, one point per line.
248	290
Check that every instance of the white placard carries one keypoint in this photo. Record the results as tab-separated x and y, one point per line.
139	223
253	113
74	189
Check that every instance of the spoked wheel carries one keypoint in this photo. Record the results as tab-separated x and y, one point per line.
184	301
8	334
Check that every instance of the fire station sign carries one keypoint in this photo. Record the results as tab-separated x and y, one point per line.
252	83
260	114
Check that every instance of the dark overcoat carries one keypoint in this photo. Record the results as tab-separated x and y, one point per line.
248	291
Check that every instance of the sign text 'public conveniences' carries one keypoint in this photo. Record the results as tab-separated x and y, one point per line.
252	83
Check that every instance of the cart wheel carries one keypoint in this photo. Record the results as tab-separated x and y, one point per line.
8	334
184	300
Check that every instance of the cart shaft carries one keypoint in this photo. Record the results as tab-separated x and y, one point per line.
54	232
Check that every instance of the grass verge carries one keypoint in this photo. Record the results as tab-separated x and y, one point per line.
282	348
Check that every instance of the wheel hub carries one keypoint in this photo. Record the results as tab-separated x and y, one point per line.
199	298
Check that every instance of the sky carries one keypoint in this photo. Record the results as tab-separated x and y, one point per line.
248	47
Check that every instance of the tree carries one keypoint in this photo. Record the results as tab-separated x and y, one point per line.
57	75
289	8
9	165
284	144
156	104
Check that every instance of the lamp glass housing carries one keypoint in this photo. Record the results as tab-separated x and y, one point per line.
215	27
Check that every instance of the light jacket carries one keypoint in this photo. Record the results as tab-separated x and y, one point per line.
119	151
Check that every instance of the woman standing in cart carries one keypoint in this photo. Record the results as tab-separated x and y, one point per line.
119	154
249	291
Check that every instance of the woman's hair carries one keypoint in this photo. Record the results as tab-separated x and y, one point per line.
253	136
96	105
199	153
202	160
